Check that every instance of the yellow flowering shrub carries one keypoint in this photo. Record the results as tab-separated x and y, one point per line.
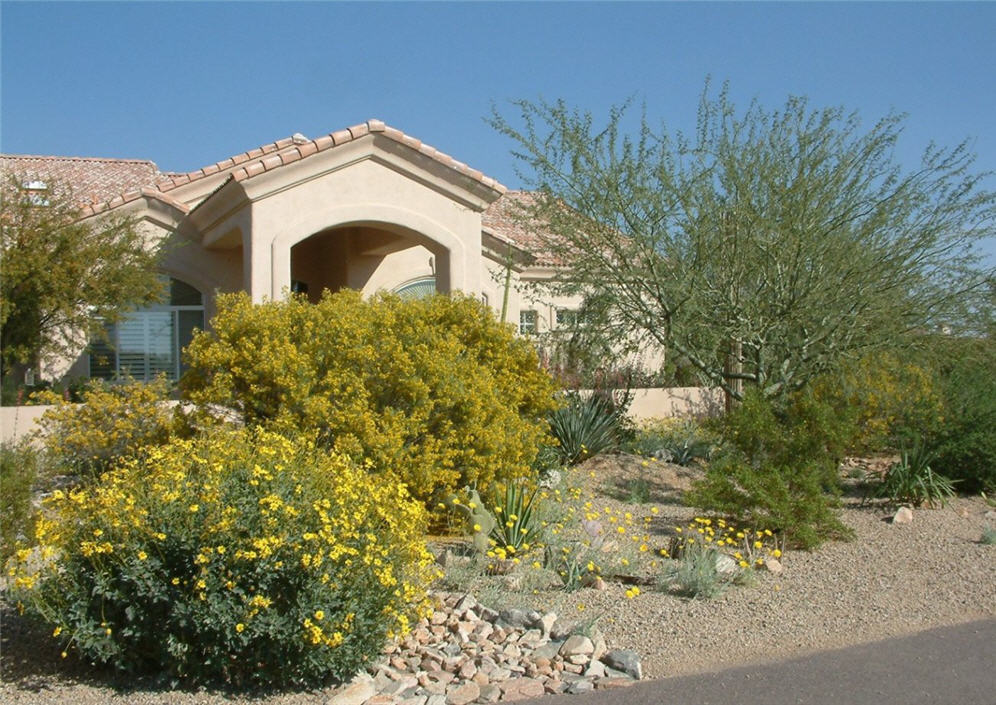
113	422
239	557
890	400
434	392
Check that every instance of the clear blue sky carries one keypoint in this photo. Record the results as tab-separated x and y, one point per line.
186	84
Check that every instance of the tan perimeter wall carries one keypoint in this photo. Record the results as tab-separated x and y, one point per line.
18	421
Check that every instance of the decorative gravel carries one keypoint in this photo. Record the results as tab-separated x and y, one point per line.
892	580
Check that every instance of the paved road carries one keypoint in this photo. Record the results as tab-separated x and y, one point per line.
947	666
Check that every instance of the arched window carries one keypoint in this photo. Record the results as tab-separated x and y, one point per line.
418	289
148	342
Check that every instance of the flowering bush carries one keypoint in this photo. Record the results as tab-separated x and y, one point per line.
891	401
113	422
239	557
434	391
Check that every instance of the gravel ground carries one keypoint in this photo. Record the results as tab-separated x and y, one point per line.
891	580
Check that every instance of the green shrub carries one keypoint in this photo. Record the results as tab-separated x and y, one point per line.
696	573
912	481
18	471
585	426
679	441
114	421
239	557
777	468
435	391
988	537
964	446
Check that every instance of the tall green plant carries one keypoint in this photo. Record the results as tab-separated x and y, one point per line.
585	426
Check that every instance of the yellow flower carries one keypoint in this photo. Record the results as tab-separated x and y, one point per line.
194	508
57	632
776	553
240	627
477	527
142	555
319	615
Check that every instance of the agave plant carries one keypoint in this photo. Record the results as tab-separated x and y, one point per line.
515	527
585	426
912	481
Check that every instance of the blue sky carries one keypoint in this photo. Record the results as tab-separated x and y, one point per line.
186	84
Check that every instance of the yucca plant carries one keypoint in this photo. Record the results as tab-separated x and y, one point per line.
515	528
585	426
912	481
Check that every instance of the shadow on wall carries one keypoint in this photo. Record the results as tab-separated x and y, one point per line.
676	402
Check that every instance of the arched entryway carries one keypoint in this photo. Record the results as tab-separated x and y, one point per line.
366	257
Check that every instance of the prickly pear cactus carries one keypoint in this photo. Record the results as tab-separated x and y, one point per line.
478	521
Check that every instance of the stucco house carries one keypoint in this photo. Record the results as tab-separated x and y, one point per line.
367	207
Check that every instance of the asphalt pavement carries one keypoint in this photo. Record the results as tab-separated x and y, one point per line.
946	666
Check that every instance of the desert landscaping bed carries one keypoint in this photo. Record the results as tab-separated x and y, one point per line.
893	579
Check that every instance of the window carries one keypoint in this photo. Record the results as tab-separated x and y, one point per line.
567	317
36	192
418	289
527	322
148	342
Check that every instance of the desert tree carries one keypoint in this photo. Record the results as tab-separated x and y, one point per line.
764	249
61	272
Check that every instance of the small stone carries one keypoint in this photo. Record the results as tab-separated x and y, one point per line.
903	516
616	682
354	694
575	645
531	638
490	694
522	689
575	668
626	661
464	694
515	618
436	700
774	566
593	581
512	651
486	613
581	686
468	670
546	623
467	602
579	659
547	651
438	617
595	670
481	678
414	700
561	629
600	646
541	662
725	565
380	700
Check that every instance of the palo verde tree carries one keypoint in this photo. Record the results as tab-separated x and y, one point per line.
60	273
764	249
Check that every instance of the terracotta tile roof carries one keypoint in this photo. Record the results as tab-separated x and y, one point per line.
91	180
507	219
291	149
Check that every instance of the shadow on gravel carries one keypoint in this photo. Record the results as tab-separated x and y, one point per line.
31	661
30	658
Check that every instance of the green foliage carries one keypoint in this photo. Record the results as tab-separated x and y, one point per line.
516	526
778	468
239	557
988	537
696	574
585	426
964	446
435	392
18	472
59	272
766	248
114	421
679	441
912	481
892	400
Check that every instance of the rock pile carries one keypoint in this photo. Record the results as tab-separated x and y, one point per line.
468	653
